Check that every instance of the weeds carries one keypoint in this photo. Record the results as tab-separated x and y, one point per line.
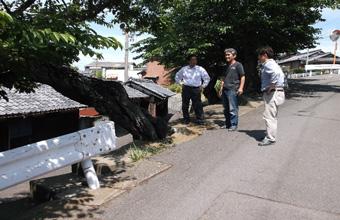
138	152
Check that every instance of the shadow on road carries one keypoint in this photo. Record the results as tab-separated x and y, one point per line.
302	88
258	135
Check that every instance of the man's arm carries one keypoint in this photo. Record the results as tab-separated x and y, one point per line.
241	73
179	76
242	81
205	76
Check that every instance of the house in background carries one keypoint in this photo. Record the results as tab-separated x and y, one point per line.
111	70
115	71
158	73
299	60
31	117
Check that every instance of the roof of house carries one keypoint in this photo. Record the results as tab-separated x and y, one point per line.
134	93
105	64
150	88
321	56
44	100
301	56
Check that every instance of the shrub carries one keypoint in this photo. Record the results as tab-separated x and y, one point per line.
298	70
175	88
99	74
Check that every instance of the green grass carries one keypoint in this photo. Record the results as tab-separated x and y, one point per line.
139	152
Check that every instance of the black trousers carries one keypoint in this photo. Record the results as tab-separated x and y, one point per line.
193	94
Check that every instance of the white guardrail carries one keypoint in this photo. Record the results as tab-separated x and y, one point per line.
333	68
322	67
33	160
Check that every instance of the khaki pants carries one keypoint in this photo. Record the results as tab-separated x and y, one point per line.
271	103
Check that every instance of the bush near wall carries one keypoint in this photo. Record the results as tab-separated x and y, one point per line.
175	88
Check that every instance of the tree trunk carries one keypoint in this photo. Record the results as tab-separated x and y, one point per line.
252	76
108	97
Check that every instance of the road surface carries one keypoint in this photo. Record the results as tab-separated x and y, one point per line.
222	175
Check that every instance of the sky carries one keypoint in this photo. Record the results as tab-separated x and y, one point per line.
332	22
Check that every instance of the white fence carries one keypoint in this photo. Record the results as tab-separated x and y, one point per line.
333	68
33	160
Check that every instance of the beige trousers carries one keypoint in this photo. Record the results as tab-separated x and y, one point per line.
271	103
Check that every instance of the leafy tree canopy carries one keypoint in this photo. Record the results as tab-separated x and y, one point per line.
54	32
208	27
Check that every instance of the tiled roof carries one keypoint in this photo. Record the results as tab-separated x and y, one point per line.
150	88
134	94
44	100
301	56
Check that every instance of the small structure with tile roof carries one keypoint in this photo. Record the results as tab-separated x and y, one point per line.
158	95
31	117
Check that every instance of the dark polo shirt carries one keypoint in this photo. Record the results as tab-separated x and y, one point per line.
232	76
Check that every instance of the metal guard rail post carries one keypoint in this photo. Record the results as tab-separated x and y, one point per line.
33	160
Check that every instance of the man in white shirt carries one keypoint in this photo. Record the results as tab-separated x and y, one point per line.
194	78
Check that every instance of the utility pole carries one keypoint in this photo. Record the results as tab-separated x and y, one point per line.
126	69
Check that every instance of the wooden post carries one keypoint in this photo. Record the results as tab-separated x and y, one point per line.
152	107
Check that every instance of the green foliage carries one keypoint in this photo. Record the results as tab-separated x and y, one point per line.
218	86
37	33
208	27
175	88
298	70
139	152
99	74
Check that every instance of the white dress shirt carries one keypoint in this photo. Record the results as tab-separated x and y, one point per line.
193	76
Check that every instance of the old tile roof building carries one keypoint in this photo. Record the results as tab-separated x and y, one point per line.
44	100
30	117
299	60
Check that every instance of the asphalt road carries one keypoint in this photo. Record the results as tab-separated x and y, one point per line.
223	175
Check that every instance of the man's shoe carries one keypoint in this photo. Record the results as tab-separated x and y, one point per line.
232	128
186	121
266	142
199	122
224	127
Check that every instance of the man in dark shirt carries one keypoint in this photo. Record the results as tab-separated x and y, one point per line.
232	86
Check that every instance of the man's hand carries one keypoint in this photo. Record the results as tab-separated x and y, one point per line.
270	88
220	92
239	91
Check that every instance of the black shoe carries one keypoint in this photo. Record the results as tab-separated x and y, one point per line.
232	128
199	122
186	121
266	142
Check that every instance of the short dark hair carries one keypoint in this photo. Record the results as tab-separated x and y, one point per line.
230	50
266	50
191	56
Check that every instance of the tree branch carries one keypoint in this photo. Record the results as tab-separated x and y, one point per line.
24	6
6	7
